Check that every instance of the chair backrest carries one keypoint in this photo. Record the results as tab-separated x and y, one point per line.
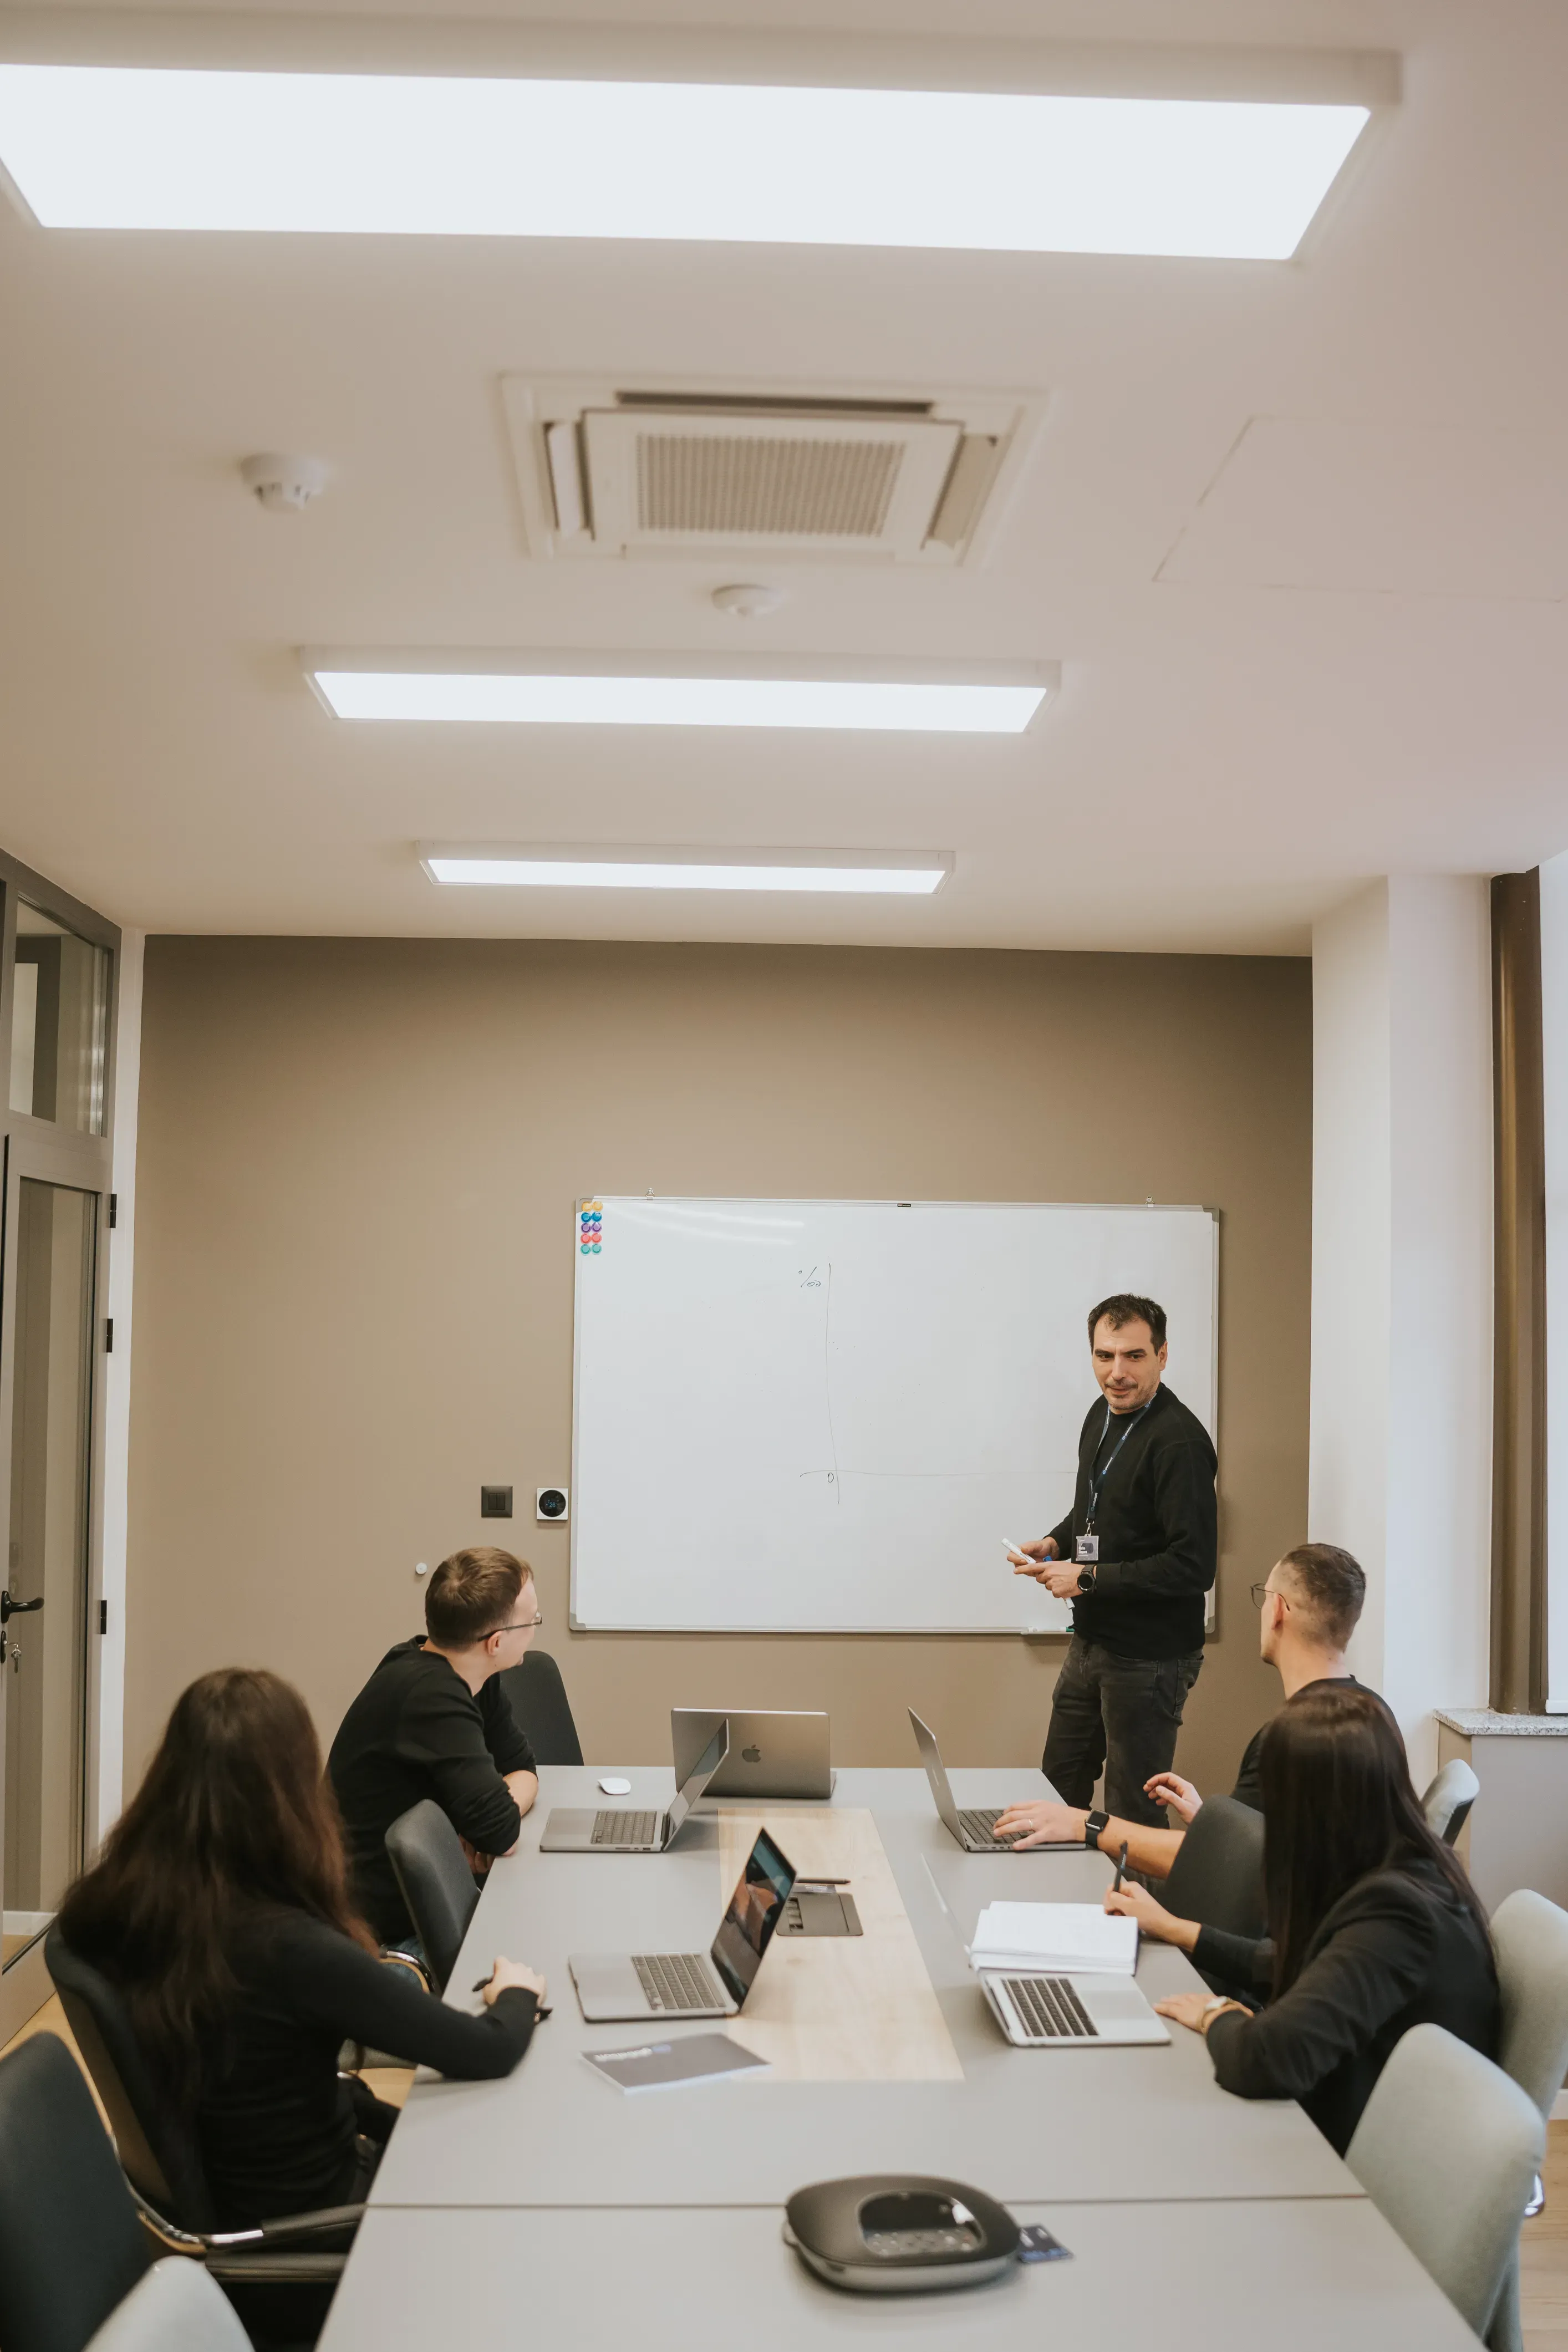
70	2243
1530	1935
437	1882
157	2152
178	2308
543	1711
1446	1804
1446	2149
1217	1875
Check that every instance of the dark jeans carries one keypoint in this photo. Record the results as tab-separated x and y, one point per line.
1123	1713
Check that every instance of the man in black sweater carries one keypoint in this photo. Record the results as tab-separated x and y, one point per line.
1135	1556
433	1721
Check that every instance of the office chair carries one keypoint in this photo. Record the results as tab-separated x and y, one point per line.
1446	2149
1446	1804
537	1699
176	2308
1530	1935
437	1885
280	2273
1217	1875
71	2247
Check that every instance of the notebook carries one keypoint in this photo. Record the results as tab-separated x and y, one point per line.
660	2065
1059	1938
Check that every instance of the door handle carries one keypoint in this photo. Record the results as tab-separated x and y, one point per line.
9	1608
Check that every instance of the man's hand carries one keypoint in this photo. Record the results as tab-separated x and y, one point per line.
1040	1824
1129	1901
1169	1789
1033	1559
1061	1583
478	1862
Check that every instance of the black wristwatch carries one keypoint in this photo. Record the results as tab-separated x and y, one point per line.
1087	1573
1092	1827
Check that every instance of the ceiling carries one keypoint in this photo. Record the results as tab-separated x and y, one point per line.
1297	534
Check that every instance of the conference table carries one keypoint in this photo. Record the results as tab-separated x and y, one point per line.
552	2208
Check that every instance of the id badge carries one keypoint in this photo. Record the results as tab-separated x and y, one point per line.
1086	1551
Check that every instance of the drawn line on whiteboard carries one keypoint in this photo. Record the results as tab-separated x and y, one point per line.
828	1379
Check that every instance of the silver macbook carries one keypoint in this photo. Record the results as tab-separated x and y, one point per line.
625	1829
614	1985
771	1754
974	1826
1034	2009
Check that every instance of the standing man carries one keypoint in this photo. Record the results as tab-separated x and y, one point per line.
1135	1556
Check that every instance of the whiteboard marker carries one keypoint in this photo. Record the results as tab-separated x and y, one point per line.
1008	1544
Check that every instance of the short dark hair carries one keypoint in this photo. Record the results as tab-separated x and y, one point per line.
1331	1590
471	1596
1126	1307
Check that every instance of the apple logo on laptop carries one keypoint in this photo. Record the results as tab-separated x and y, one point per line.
752	1755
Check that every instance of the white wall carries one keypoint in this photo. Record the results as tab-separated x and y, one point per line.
1554	1055
110	1742
1401	1283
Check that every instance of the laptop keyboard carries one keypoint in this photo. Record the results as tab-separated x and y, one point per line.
676	1980
1048	2009
625	1829
980	1821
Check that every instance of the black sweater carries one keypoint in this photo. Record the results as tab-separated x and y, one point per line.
416	1730
1157	1525
1399	1950
276	2124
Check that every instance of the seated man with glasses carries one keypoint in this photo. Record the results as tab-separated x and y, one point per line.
434	1721
1310	1601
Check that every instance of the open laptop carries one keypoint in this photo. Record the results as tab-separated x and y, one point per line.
1040	2012
614	1985
772	1754
624	1829
973	1826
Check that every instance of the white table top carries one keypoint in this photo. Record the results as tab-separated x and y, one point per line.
1106	2125
1293	2275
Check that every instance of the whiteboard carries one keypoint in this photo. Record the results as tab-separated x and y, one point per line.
825	1415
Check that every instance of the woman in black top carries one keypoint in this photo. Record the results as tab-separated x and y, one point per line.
219	1908
1373	1926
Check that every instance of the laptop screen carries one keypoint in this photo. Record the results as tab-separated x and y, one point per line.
746	1930
697	1780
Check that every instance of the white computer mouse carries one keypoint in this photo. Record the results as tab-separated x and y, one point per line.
616	1788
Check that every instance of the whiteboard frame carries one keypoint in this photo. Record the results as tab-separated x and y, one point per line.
851	1633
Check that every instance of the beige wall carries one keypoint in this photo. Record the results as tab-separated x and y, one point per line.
358	1166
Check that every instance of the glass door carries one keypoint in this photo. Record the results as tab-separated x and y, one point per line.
44	1604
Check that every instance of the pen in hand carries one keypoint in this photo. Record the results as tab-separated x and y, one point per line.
539	2012
1116	1882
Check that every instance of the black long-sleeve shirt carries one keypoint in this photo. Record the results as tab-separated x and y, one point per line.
416	1730
1398	1949
1157	1523
276	2124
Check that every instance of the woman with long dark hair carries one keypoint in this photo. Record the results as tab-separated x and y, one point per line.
1373	1927
220	1909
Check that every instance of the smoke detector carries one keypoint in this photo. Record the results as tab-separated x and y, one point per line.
748	600
284	485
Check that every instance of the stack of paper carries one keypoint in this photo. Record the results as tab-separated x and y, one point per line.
1065	1939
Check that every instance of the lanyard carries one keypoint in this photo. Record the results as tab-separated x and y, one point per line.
1097	1478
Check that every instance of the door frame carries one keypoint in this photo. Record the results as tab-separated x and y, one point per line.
40	1149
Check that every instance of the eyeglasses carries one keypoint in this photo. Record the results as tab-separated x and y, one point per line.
1262	1592
523	1625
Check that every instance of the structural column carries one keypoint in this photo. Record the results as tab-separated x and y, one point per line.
1401	1283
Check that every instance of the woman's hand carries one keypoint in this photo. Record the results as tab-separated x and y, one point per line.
507	1973
1040	1824
1129	1901
1196	2011
1169	1789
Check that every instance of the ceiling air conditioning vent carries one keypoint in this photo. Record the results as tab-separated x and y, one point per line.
703	472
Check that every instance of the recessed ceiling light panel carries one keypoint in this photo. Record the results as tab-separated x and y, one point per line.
367	154
691	690
906	874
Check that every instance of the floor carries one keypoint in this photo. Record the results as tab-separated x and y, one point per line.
1544	2243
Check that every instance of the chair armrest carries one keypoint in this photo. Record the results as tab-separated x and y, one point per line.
250	2267
288	2229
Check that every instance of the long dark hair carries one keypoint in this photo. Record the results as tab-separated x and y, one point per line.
1337	1804
233	1820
